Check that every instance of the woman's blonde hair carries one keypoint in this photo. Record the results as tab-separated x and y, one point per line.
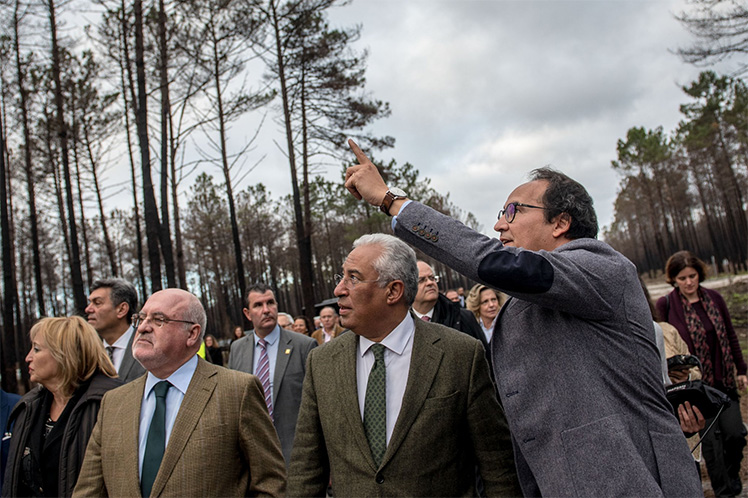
77	349
473	299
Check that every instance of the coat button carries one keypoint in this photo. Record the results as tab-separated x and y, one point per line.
380	479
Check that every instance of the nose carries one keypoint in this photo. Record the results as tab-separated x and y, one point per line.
88	309
29	356
340	289
501	224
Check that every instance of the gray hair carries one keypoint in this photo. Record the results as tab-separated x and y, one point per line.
120	291
194	312
397	262
287	315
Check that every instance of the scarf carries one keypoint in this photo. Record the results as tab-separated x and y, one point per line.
698	335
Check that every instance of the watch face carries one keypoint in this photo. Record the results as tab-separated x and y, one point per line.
398	192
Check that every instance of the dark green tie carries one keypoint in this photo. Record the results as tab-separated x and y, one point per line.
375	406
156	441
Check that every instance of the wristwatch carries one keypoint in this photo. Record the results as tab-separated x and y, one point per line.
391	196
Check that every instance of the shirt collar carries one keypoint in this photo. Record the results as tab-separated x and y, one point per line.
122	341
271	337
180	378
430	313
395	340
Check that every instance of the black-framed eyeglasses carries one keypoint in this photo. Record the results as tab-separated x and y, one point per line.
157	320
510	211
351	280
432	278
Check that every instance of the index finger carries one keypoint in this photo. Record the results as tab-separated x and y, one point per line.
357	151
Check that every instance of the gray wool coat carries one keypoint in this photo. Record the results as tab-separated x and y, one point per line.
576	364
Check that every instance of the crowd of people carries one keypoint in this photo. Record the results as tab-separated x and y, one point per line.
546	379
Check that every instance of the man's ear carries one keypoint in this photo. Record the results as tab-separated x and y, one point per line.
561	225
194	337
123	309
246	313
395	291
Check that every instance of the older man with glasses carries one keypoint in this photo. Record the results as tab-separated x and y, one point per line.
574	354
167	432
397	406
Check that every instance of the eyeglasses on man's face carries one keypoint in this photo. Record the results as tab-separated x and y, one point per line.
510	211
351	280
428	278
157	319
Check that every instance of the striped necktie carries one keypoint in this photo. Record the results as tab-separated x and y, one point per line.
263	373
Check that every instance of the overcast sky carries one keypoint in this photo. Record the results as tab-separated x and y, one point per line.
484	91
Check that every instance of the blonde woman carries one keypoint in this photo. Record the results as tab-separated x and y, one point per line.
54	420
485	303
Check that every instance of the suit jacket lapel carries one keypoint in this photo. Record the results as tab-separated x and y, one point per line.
127	359
198	393
130	411
424	364
345	361
285	350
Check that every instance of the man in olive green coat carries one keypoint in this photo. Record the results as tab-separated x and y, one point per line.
442	417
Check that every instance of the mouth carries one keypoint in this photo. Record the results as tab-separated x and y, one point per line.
505	241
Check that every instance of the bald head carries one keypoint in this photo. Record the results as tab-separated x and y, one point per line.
170	331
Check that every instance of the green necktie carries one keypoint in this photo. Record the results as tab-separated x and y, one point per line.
375	406
156	441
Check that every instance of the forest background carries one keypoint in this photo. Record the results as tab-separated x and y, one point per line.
122	156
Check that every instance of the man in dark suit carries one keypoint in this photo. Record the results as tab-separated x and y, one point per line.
433	307
110	305
187	428
286	361
399	407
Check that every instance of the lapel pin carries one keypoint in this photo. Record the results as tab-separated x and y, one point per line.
288	351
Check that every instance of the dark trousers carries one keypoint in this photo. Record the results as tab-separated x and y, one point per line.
723	451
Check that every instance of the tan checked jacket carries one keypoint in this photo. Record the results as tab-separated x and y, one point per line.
222	444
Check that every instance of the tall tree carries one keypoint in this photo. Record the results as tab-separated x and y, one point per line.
163	72
309	63
79	296
709	128
10	290
152	221
216	43
23	105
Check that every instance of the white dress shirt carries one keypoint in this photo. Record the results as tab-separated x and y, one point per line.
488	331
179	380
430	314
120	345
398	350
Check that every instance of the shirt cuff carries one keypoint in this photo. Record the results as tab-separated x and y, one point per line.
394	218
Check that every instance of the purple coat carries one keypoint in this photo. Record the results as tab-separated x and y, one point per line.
675	315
